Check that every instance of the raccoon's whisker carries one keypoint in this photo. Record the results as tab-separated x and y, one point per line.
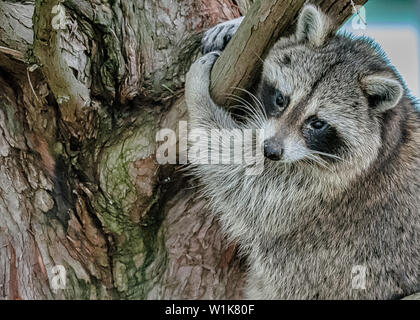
257	119
252	113
327	155
255	122
243	103
239	99
256	100
307	161
255	109
319	161
330	156
246	105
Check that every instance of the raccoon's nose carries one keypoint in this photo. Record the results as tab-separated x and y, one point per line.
272	150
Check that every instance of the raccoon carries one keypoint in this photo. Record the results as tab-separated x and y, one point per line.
335	213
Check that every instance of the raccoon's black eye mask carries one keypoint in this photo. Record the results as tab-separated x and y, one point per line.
321	136
273	100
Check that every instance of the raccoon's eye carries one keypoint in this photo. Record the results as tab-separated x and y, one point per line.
318	124
279	100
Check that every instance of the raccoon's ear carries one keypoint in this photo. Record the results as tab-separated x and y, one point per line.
313	26
383	92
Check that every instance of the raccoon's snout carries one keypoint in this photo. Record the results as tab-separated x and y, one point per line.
273	150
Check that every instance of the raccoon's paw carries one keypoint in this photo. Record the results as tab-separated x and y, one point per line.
199	73
198	78
217	38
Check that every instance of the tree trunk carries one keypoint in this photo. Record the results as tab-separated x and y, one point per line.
86	212
84	87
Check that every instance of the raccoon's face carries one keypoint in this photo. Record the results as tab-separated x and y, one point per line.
323	97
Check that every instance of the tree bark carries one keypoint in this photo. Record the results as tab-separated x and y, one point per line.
84	87
81	101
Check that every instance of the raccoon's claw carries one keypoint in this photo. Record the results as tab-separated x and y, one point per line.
217	38
209	58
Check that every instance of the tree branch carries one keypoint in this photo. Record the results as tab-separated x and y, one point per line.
265	22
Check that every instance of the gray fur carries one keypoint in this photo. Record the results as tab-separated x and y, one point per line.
307	220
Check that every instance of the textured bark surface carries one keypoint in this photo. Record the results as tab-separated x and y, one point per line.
81	100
